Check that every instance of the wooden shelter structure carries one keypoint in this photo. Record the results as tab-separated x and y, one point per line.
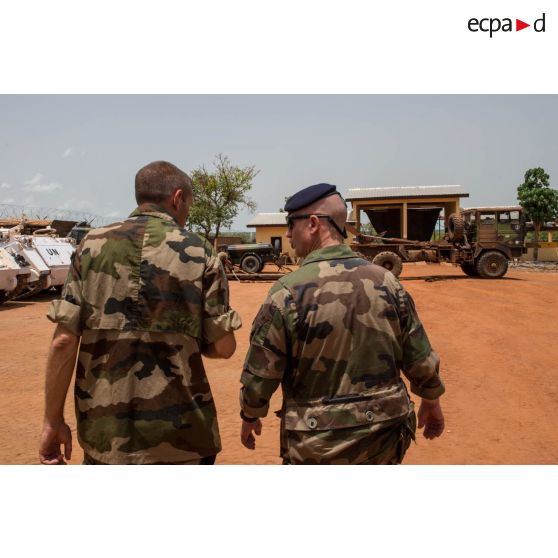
409	212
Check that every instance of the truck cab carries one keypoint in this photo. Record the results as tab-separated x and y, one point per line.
495	228
488	238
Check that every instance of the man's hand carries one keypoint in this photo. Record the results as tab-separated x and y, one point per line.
52	438
246	437
222	348
60	368
431	417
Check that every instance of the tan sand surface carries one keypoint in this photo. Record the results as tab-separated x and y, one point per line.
496	340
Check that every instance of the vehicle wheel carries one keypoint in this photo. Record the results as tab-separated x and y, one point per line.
251	264
492	265
2	297
469	269
456	227
391	261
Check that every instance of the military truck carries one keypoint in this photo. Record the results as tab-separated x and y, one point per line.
250	257
480	240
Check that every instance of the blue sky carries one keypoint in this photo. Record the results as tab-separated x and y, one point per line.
81	152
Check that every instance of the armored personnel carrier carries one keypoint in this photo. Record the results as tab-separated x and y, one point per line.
14	276
45	256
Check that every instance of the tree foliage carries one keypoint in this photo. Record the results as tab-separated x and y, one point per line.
219	195
368	228
286	199
538	200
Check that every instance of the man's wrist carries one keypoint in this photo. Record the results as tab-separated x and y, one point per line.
430	402
247	419
53	423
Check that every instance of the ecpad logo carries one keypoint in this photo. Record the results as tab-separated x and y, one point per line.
493	25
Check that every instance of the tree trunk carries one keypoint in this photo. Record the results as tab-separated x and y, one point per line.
536	246
206	233
216	235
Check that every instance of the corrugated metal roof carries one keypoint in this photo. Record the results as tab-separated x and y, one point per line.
405	192
494	207
269	219
277	219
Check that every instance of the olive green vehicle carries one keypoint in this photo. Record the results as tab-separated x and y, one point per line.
79	231
480	240
251	257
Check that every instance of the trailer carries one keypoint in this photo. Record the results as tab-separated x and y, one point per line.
251	258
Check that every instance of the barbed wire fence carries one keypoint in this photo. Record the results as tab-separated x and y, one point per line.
9	211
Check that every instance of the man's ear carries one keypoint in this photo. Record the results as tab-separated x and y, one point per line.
315	221
176	198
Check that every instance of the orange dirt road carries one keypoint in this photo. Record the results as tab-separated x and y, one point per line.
495	340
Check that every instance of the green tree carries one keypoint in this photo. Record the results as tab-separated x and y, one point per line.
219	195
282	209
538	200
368	229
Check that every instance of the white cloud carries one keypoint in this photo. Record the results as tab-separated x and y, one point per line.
49	187
8	200
5	186
68	153
29	200
38	184
76	204
37	179
113	214
82	205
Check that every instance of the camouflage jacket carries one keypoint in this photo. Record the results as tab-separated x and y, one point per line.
145	295
336	333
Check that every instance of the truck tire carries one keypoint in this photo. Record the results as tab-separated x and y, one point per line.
390	260
456	227
469	269
492	265
3	297
251	263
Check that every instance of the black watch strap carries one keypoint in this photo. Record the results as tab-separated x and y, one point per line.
247	419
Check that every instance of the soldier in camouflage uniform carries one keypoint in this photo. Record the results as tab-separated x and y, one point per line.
335	334
147	299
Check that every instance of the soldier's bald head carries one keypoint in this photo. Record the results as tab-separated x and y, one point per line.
334	206
157	181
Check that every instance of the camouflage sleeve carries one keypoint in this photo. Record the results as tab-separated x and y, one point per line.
67	310
420	363
218	317
267	357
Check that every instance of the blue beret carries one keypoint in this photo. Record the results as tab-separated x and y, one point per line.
309	195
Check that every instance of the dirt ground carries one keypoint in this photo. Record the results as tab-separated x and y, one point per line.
495	340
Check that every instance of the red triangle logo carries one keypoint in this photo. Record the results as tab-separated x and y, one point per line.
519	25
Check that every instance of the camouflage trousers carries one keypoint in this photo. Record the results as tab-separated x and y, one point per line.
209	460
386	446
